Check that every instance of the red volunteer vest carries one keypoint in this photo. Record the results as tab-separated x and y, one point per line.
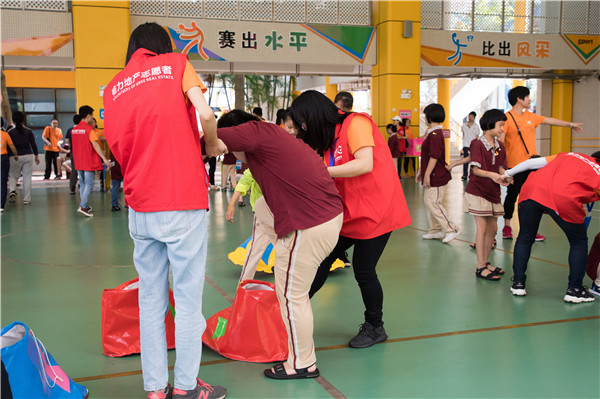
374	203
83	150
564	185
151	129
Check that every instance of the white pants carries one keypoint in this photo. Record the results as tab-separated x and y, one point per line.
23	165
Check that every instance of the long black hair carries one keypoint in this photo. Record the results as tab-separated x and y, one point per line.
315	117
280	116
150	36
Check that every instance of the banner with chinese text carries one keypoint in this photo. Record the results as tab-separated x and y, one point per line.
232	41
509	50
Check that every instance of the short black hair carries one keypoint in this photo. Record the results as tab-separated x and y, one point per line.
517	92
346	99
434	113
392	127
150	36
257	111
596	156
235	117
85	110
473	113
76	119
319	115
280	116
490	117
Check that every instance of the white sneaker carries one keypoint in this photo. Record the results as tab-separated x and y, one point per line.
434	236
451	236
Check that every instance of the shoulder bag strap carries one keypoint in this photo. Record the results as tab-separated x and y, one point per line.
519	131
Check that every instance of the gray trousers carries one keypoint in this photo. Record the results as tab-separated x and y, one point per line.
25	166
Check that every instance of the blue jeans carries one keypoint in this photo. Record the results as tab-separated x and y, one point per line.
86	184
530	214
178	238
115	187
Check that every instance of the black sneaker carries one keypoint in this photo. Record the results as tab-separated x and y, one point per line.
518	288
578	295
368	336
115	208
12	197
202	391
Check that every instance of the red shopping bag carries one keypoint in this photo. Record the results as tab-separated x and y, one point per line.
121	320
252	329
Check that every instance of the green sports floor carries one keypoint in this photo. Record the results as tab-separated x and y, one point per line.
450	335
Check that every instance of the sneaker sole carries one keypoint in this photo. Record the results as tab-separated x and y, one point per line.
594	292
383	338
84	213
576	299
516	292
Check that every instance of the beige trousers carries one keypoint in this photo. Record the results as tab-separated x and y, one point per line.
436	214
263	233
228	171
297	258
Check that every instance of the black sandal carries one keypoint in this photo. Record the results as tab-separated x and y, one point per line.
280	373
491	276
496	270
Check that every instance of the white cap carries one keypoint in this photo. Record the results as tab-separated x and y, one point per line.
396	118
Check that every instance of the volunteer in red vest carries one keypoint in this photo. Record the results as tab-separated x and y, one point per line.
302	206
560	187
520	145
89	156
150	126
360	163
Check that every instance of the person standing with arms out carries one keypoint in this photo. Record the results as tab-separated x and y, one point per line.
470	131
166	188
362	169
89	156
560	187
519	140
435	177
6	142
27	150
52	134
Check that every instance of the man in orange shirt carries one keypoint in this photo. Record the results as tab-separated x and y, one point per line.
52	134
519	140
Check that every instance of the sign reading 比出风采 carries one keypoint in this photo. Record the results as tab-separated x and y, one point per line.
509	50
231	41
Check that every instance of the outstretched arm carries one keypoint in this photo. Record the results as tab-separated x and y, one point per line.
530	164
557	122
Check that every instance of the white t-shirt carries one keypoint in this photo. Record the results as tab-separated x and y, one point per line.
470	133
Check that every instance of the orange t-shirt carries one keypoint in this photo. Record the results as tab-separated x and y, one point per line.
360	134
515	151
53	135
191	79
6	140
409	133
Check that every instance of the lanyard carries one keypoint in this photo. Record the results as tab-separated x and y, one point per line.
331	160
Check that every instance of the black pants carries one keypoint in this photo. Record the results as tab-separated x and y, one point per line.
5	166
512	192
73	178
51	157
212	166
364	260
465	166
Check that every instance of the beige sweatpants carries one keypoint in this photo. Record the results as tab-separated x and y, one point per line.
228	171
262	234
436	214
297	257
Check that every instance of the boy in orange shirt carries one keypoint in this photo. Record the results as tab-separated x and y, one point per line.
52	134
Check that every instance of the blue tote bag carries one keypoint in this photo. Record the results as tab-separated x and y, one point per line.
32	371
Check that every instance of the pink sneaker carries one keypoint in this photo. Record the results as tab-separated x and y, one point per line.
165	394
507	232
539	237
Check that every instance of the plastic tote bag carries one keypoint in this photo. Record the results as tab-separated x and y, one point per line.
252	329
32	371
121	320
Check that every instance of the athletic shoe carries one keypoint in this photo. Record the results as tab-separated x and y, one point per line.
86	211
72	192
451	236
434	236
368	336
539	237
2	210
594	290
507	232
115	208
58	178
165	394
202	391
26	202
518	288
578	295
12	197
